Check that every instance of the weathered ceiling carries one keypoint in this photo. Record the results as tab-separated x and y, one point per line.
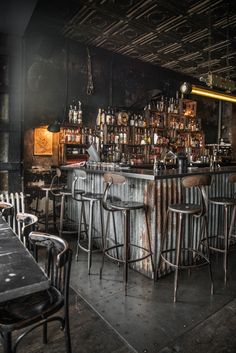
188	36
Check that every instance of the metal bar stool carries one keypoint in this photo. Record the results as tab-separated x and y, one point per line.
221	243
54	190
191	257
89	198
125	207
65	194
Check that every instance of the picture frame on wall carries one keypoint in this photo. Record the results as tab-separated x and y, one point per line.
42	142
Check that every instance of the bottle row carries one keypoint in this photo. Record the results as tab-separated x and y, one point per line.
75	114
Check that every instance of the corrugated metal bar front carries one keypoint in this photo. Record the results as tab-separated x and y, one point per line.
157	195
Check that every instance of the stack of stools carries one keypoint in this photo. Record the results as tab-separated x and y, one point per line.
176	258
229	203
112	205
89	198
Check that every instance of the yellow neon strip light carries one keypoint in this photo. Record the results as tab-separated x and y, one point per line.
211	94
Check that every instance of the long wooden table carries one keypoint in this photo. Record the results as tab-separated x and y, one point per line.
19	272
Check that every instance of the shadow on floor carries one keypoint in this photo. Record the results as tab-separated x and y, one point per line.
148	319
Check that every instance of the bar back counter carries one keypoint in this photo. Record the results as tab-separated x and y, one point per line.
157	192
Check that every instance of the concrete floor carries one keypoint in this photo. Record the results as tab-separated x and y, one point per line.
104	320
149	321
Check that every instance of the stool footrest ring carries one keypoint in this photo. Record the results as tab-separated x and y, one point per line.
204	260
106	252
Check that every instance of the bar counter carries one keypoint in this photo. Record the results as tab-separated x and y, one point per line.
157	192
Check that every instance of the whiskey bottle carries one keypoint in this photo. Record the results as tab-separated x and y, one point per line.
98	120
79	115
70	114
75	115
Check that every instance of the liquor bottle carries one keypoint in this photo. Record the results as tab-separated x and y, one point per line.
98	120
131	122
75	115
103	116
70	114
108	116
162	104
113	117
79	115
176	103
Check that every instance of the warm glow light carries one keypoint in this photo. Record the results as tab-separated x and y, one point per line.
212	94
187	88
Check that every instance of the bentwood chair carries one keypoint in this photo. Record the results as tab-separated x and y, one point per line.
26	224
185	255
38	309
126	207
6	210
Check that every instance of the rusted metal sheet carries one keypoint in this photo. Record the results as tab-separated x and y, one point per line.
157	195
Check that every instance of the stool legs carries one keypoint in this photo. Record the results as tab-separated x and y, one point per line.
177	262
126	246
205	220
90	235
177	256
105	245
226	245
88	232
62	215
149	242
83	222
46	210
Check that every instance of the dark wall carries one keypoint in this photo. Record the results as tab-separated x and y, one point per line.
56	72
118	80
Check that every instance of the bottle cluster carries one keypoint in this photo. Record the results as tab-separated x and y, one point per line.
75	114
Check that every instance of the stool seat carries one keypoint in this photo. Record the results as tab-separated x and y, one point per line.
51	187
186	208
221	200
126	205
92	196
68	192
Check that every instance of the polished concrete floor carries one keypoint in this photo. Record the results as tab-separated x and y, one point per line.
104	320
149	321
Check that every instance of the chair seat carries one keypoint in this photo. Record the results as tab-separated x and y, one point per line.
92	196
186	208
68	192
33	308
126	205
53	188
221	200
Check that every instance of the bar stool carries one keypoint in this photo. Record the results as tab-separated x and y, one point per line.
91	198
52	189
196	258
228	203
125	207
65	194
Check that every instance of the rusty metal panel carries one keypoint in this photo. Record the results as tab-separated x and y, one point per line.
157	195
